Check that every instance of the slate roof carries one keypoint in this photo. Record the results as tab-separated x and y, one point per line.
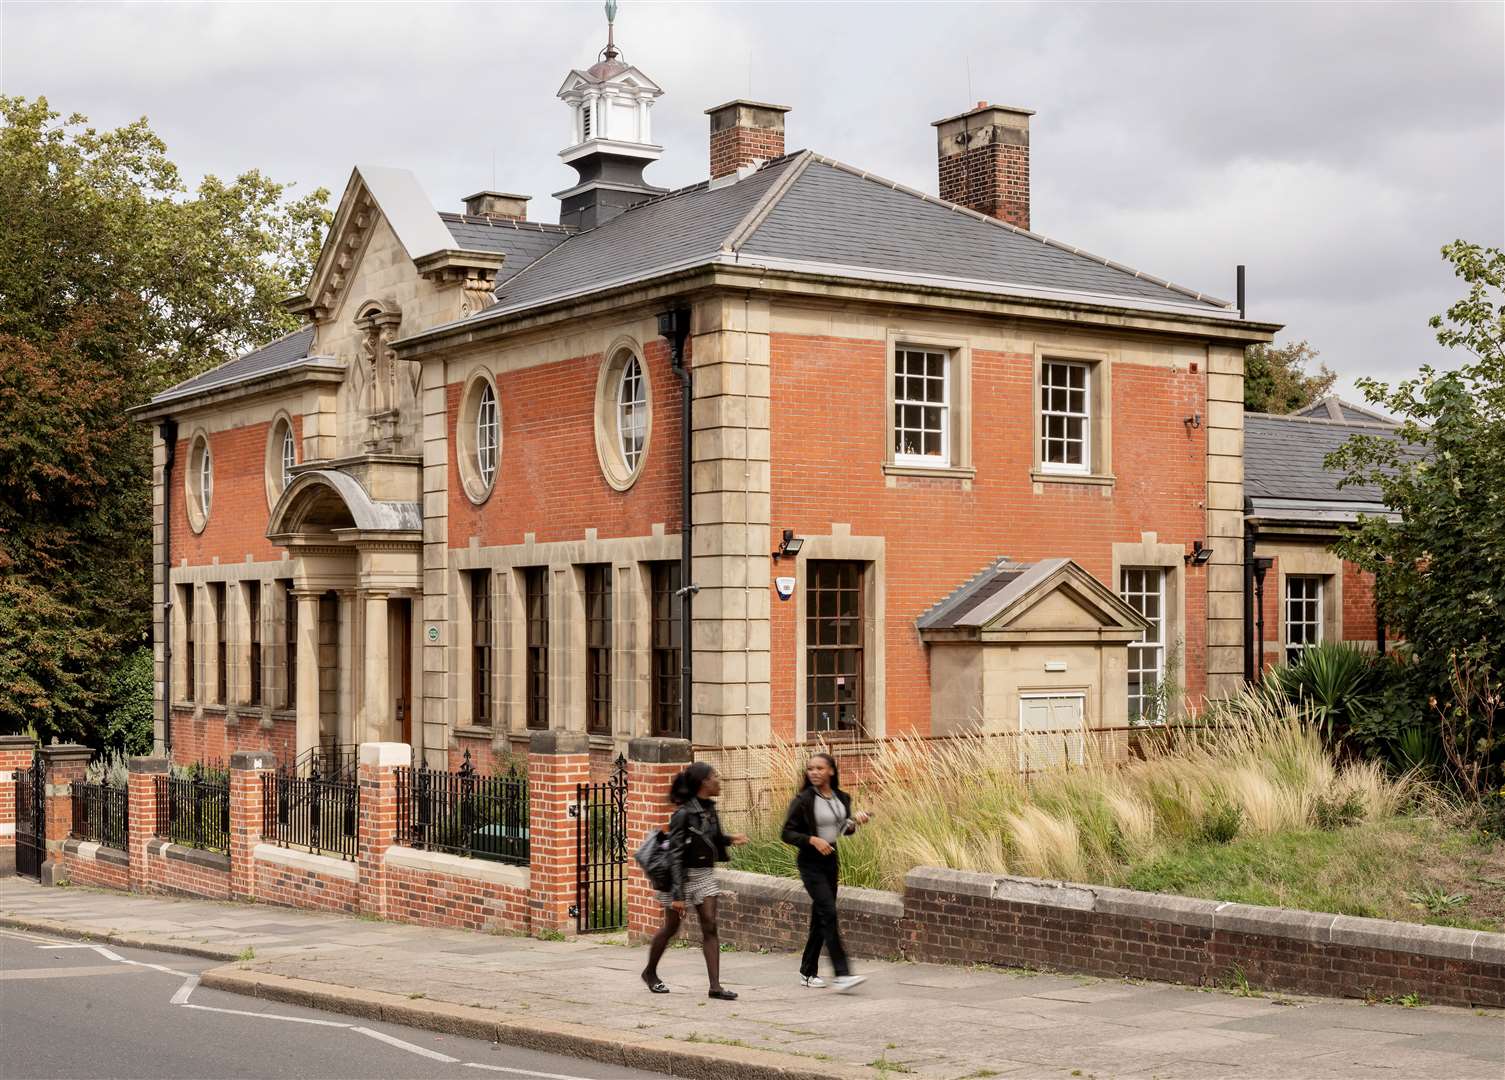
521	242
810	212
284	354
1335	408
963	605
1283	457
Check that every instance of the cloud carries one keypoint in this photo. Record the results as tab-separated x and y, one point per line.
1333	148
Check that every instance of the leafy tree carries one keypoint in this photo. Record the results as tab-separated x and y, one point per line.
115	282
1440	568
1275	378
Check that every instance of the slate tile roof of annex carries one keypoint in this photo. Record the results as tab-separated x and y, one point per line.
815	211
286	352
521	242
1284	455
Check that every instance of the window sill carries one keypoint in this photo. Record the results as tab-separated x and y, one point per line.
602	742
1040	476
473	731
939	472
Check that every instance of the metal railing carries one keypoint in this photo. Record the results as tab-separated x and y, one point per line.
100	813
195	811
311	812
462	813
329	761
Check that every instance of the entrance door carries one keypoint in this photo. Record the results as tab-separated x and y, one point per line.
1050	730
401	644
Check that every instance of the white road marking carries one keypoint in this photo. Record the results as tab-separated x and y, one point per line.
268	1016
522	1072
181	997
60	945
411	1048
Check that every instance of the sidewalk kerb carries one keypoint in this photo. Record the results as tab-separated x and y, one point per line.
114	937
697	1061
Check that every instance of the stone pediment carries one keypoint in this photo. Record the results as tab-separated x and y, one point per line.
376	193
1052	599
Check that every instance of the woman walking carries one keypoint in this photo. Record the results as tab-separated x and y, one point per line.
696	845
820	815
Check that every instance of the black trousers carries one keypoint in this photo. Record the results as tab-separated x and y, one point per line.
819	874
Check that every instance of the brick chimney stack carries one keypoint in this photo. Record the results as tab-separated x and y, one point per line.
743	132
984	161
497	205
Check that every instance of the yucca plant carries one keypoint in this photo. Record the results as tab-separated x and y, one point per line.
1336	683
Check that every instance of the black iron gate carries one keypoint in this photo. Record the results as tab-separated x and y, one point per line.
601	872
31	817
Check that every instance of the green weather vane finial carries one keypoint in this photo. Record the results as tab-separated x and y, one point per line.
611	18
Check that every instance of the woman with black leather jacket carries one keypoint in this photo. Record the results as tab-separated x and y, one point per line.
820	815
696	845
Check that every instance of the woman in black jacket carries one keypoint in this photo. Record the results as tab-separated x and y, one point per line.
818	817
696	845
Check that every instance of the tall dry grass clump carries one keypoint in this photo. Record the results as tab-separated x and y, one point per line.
964	803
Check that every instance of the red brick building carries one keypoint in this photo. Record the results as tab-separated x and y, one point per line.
916	467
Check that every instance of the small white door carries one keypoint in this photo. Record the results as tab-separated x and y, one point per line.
1050	730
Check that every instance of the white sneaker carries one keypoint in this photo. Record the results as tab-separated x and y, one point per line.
814	982
846	983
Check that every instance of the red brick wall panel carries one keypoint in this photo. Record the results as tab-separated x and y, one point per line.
293	886
453	900
96	873
1358	604
238	512
184	877
826	468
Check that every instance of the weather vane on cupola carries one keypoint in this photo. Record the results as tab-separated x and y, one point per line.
610	52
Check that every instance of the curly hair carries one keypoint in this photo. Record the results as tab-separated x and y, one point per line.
686	783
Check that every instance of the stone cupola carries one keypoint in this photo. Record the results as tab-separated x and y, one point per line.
611	141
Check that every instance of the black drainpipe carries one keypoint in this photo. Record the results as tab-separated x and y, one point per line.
674	327
169	432
1250	539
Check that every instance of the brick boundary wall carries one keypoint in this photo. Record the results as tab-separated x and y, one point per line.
952	916
434	889
86	862
300	879
185	871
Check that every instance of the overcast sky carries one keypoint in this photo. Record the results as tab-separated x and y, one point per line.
1333	148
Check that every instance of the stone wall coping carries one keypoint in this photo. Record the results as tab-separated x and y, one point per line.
253	761
66	752
559	742
149	765
209	860
17	742
306	860
659	751
94	851
771	890
438	862
386	754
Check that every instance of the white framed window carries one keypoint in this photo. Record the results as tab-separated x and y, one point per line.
1051	732
922	406
1143	589
1303	614
624	414
289	454
198	482
488	435
632	413
1065	417
478	435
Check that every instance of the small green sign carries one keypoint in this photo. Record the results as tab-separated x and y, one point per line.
433	635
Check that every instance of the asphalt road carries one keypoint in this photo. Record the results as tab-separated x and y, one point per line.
69	1009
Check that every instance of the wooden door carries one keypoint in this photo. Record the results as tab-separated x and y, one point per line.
402	667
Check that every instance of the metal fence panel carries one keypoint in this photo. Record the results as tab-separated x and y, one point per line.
100	814
462	813
311	812
195	811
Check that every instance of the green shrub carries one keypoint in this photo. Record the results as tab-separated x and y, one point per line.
1332	812
1221	825
128	720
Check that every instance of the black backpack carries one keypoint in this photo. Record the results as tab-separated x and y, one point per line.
653	856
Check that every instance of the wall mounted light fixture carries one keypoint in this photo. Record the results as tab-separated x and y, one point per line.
1199	555
789	546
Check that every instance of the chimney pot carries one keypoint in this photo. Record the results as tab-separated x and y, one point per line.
497	205
743	133
983	159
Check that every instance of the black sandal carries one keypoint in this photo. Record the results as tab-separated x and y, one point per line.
655	986
723	995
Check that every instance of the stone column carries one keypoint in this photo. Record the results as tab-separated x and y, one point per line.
379	762
651	765
346	709
308	670
15	753
247	771
64	763
1225	520
558	762
730	643
142	793
376	706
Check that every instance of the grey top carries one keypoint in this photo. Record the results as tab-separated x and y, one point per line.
830	818
1285	457
285	353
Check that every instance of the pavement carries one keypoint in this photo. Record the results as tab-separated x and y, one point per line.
117	1012
583	998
